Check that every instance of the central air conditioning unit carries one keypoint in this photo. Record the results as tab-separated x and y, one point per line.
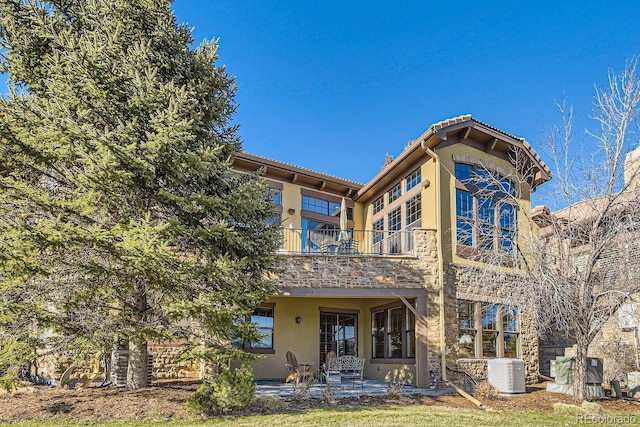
633	385
565	370
120	366
506	375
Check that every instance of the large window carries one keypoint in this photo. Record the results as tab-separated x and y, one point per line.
393	332
263	318
394	224
377	205
324	207
467	328
396	213
394	193
414	209
315	233
484	218
413	179
510	332
487	330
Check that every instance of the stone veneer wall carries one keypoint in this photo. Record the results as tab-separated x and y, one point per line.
166	363
419	271
617	348
465	279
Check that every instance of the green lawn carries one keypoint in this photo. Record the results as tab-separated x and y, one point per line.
360	417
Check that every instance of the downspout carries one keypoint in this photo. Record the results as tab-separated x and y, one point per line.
443	352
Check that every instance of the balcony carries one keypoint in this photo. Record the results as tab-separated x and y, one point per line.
349	242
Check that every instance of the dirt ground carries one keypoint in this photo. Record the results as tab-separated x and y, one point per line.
165	400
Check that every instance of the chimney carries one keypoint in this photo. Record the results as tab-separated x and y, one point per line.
632	167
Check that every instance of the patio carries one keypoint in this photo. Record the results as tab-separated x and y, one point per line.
371	387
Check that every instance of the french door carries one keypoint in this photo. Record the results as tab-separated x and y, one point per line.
338	333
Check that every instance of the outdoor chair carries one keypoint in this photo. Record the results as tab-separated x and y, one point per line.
297	371
348	247
322	372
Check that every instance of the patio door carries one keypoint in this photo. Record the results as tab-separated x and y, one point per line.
338	333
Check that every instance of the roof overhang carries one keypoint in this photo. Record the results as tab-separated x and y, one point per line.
466	130
280	171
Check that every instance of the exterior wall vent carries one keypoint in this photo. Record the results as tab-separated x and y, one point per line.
507	375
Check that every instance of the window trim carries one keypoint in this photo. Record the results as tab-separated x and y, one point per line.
479	329
478	200
248	347
404	333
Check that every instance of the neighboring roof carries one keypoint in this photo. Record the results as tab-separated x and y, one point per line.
461	129
282	171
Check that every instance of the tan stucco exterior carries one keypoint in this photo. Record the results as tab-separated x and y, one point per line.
427	276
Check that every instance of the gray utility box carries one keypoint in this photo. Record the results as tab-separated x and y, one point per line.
565	370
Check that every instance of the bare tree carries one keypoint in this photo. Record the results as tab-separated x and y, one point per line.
577	265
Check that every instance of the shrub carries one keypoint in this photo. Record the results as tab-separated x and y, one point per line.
231	390
484	390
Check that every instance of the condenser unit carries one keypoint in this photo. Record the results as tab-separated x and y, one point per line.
506	375
633	385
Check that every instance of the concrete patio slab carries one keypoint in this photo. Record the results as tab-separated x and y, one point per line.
316	390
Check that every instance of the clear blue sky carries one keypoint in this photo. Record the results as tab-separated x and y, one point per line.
335	85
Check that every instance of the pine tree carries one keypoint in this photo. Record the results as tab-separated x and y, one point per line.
119	216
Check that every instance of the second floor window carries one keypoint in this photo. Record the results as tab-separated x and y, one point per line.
320	206
413	179
394	193
414	209
484	218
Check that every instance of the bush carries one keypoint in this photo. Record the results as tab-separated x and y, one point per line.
231	390
484	390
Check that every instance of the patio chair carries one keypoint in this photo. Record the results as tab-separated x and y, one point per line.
322	372
297	372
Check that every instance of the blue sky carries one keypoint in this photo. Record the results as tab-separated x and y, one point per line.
335	85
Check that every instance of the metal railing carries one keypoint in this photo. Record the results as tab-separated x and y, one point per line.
349	242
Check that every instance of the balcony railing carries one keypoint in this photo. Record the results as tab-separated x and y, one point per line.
350	242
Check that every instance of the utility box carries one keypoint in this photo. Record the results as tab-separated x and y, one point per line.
633	385
507	375
565	370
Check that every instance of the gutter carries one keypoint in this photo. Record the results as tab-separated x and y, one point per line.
443	352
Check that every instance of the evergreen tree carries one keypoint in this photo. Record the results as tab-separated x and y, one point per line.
119	216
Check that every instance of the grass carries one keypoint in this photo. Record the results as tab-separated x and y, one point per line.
356	417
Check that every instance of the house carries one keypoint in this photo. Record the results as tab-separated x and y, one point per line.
601	240
389	285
